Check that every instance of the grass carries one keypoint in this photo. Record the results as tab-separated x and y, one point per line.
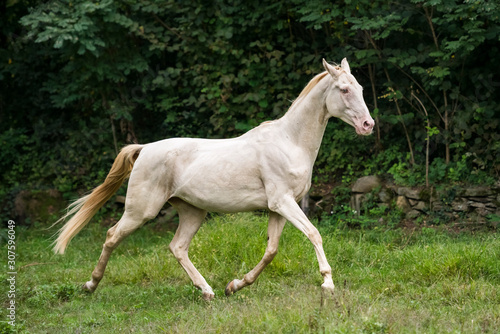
387	281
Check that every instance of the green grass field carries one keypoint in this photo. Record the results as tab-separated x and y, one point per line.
387	281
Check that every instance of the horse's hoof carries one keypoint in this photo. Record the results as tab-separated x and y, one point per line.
230	290
87	287
208	296
328	289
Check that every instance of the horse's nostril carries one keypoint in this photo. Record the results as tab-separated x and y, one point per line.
367	125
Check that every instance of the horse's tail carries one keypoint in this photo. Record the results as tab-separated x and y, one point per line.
86	207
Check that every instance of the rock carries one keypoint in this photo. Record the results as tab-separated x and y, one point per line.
483	211
43	206
366	184
476	204
412	214
477	192
479	199
460	205
420	206
402	203
409	193
491	205
385	195
356	201
437	206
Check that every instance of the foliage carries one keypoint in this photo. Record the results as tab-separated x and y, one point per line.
80	79
372	215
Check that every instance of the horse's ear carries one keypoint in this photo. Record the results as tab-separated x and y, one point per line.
331	69
345	66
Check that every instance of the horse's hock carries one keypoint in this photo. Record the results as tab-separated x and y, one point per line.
475	202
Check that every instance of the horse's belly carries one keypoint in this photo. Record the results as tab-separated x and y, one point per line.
222	185
231	198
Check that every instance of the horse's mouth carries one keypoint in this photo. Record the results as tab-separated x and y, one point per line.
363	132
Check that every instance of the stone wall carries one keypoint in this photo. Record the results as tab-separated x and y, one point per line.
455	202
37	206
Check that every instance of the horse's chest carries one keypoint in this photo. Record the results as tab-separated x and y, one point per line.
299	175
303	182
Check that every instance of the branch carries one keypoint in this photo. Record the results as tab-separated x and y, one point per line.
372	42
428	141
422	89
160	21
428	16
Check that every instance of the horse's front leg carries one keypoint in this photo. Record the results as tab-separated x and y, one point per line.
288	208
274	229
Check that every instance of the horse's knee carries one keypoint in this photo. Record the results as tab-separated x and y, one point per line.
177	251
315	237
111	232
270	254
113	238
110	242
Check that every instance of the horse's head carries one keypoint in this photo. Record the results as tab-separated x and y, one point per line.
345	99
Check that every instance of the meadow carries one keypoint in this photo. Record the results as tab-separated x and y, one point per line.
422	280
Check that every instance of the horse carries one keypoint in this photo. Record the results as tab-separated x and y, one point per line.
269	167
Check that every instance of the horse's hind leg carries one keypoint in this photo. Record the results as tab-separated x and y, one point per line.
274	230
114	236
190	220
143	203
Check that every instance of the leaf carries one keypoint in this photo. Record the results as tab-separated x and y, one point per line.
431	131
242	126
59	42
437	54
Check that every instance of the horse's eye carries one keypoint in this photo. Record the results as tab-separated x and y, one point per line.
344	90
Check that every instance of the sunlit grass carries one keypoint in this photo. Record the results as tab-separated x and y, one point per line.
391	281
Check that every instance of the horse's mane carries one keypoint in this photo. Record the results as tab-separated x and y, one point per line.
314	81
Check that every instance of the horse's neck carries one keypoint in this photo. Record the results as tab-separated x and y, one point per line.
305	122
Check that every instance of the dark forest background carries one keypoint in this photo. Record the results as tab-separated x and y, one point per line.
80	79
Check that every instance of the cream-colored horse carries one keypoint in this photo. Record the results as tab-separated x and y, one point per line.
269	167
